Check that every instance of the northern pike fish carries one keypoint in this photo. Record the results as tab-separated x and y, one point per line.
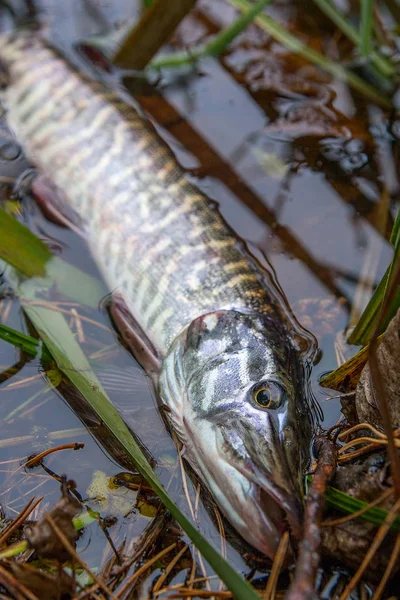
227	370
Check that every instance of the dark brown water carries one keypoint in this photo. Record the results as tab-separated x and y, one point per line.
303	169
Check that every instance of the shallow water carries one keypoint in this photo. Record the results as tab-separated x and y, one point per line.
302	169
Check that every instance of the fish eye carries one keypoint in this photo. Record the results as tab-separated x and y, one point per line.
267	394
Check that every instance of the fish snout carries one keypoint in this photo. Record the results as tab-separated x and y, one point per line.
274	502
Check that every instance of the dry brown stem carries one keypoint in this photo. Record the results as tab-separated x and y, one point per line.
68	546
380	536
15	587
19	520
142	570
389	568
270	589
169	568
36	460
309	554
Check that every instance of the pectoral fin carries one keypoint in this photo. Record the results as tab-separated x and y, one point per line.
52	204
134	338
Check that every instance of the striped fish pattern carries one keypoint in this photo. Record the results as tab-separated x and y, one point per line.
230	375
163	243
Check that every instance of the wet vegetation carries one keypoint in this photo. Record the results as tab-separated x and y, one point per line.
288	117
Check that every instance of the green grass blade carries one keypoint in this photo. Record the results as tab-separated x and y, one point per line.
395	235
384	65
339	20
366	23
362	332
20	248
28	344
60	342
214	48
226	36
345	503
296	45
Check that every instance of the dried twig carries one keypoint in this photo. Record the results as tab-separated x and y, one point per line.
270	589
389	568
372	444
344	434
169	568
380	536
19	520
58	308
145	541
36	460
78	324
68	546
142	570
188	592
308	560
179	586
221	530
14	586
52	435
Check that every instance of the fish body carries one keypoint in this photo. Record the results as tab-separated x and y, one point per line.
230	376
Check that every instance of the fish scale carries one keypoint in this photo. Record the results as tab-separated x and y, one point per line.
99	150
227	369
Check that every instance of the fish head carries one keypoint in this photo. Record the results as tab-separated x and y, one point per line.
234	387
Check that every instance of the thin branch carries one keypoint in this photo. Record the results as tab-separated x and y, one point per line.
389	568
37	459
303	584
14	586
279	559
19	520
68	546
380	536
143	568
169	568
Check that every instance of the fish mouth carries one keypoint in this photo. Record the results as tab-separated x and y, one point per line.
277	510
273	503
269	522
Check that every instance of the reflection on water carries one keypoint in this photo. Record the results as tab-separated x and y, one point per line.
302	170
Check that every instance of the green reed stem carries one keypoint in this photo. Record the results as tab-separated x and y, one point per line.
216	46
366	27
222	41
384	65
252	12
296	45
